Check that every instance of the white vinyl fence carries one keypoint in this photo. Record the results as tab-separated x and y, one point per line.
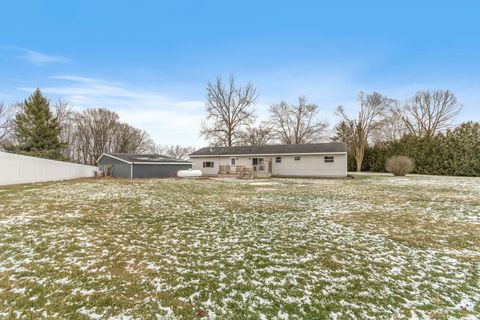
15	169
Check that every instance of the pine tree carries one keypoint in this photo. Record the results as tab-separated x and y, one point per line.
37	130
345	133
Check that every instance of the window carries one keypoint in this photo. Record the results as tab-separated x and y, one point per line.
296	158
232	161
278	160
257	161
329	159
208	164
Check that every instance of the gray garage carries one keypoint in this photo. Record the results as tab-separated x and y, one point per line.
130	166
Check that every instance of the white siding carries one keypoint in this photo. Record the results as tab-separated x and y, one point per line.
15	169
311	166
239	161
198	165
307	166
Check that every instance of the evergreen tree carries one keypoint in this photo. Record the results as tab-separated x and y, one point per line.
462	149
37	130
345	133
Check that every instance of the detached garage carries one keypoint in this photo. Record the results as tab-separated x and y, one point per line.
130	166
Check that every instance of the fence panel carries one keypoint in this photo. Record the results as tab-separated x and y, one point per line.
15	169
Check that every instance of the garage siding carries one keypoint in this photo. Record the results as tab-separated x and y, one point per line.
120	169
158	170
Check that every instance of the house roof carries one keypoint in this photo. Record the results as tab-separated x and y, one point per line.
332	147
143	158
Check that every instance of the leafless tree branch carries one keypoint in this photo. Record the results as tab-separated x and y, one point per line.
429	112
6	116
370	118
229	109
296	124
174	151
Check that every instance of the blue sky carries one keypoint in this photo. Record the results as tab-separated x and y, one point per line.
151	60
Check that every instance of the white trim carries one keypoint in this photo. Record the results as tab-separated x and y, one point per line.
262	154
162	163
109	155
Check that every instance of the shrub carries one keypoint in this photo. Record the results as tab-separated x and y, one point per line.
399	165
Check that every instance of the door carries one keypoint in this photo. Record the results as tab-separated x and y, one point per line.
233	166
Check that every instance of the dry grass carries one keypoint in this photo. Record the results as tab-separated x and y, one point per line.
371	247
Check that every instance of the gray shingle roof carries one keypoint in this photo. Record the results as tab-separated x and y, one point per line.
273	149
153	158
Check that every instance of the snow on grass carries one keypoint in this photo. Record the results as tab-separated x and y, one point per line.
365	248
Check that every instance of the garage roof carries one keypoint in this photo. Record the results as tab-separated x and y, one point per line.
331	147
143	158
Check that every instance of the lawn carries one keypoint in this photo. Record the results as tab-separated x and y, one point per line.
371	247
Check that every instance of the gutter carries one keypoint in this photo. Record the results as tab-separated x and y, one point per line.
162	162
265	154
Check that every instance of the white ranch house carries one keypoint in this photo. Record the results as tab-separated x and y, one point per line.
301	160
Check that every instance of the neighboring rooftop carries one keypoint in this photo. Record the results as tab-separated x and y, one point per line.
333	147
135	158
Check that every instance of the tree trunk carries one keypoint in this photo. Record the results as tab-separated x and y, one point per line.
359	164
359	154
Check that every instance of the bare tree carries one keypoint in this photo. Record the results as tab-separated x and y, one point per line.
297	124
95	130
392	128
65	116
257	135
229	109
99	130
6	116
429	112
174	151
129	139
370	117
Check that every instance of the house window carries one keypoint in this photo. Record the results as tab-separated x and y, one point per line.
208	164
278	160
329	159
296	158
232	161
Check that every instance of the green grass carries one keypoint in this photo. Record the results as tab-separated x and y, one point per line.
371	247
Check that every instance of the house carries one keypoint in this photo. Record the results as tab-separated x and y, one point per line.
123	165
298	160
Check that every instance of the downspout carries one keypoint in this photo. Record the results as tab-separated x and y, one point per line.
131	170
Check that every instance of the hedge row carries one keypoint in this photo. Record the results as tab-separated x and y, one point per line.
456	152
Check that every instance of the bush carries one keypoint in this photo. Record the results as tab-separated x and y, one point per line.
399	165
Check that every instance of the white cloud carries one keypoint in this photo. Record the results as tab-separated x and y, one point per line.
167	120
38	58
